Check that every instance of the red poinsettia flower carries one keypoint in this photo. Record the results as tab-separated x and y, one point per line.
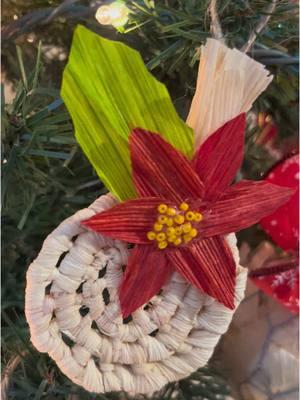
183	210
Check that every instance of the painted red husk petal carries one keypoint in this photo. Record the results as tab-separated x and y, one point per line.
129	221
220	157
147	271
243	205
209	266
160	170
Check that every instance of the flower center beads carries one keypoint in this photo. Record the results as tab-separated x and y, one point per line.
174	226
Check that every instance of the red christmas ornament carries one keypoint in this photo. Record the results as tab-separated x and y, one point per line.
283	224
283	227
282	286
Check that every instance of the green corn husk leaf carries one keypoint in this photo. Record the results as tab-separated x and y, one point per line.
108	92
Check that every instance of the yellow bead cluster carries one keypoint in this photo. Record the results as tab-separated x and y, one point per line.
174	226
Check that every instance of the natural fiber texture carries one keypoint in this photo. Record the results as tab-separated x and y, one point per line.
108	91
73	311
228	83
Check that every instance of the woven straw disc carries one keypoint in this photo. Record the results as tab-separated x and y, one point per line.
73	311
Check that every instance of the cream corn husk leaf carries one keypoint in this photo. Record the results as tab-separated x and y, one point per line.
228	83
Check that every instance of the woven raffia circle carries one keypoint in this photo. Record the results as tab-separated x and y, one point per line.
73	311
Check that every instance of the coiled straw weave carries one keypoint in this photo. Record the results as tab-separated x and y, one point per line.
74	315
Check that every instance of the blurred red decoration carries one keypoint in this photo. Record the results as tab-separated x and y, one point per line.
282	285
280	279
283	224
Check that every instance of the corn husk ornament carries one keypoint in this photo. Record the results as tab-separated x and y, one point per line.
138	318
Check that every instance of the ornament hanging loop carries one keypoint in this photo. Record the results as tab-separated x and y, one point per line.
215	26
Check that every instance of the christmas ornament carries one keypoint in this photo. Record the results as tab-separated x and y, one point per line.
280	278
115	317
283	224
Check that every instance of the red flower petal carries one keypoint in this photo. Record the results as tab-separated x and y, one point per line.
243	205
160	170
209	266
129	221
147	271
220	157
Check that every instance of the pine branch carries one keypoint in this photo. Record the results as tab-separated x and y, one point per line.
262	23
45	16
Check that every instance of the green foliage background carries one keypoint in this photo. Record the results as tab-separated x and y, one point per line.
45	176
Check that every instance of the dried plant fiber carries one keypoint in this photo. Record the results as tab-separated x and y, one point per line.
228	83
74	315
